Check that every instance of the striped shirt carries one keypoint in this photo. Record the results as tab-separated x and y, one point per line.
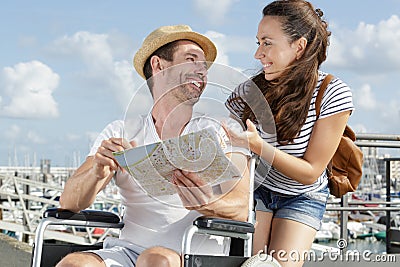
337	98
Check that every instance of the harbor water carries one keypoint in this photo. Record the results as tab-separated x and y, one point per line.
368	244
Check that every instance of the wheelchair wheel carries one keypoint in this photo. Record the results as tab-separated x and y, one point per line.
261	260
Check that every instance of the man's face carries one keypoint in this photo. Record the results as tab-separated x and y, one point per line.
186	74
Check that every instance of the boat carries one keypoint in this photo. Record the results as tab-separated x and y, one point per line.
329	230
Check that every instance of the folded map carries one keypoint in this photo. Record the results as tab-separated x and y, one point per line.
152	165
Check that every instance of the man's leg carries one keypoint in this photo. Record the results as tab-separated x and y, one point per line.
160	257
78	259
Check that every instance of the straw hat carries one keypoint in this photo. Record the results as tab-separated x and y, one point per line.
168	34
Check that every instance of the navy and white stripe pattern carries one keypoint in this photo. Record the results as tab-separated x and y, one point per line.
337	98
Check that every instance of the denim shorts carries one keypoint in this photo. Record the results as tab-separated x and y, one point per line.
307	208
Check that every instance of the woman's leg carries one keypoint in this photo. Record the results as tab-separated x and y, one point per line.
290	241
262	231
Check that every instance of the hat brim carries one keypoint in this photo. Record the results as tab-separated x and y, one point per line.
210	51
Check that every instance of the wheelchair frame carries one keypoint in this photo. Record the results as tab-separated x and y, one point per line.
203	225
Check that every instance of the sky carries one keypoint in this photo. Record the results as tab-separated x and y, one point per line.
66	66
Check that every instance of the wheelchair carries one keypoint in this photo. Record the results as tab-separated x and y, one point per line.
46	253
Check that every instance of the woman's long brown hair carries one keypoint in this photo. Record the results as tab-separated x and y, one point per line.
289	96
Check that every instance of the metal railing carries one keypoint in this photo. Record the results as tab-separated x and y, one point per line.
24	200
377	141
24	217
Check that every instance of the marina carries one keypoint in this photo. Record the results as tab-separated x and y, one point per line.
25	193
357	221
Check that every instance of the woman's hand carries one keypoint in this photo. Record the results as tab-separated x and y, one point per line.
249	139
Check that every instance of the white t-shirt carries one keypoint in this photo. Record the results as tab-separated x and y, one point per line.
337	98
162	221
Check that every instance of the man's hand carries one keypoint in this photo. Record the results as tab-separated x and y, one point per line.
104	163
198	195
192	190
92	176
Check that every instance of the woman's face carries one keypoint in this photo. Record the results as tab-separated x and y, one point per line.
274	51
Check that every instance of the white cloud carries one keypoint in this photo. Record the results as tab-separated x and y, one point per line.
367	49
365	98
140	103
390	111
370	53
219	40
230	44
389	116
91	136
27	90
92	48
72	137
104	72
123	81
336	53
359	128
12	133
215	11
34	137
378	113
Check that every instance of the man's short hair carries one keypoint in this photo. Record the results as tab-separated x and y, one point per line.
165	52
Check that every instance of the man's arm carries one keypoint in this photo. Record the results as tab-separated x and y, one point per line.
232	205
235	204
82	187
92	176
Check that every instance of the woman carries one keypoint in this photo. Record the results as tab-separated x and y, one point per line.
291	198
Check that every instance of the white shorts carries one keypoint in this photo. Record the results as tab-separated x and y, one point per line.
121	253
118	253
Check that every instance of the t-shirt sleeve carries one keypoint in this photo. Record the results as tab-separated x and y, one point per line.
113	129
236	102
337	98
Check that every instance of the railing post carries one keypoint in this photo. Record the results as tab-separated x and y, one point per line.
344	218
388	200
26	191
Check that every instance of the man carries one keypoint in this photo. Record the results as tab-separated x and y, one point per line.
175	61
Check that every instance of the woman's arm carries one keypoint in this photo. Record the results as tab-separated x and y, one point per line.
323	143
322	146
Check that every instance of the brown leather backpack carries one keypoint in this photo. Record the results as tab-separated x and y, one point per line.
345	168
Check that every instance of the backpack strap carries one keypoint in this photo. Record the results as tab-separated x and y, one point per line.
324	85
328	78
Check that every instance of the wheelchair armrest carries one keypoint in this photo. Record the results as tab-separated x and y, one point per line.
84	215
85	218
224	225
